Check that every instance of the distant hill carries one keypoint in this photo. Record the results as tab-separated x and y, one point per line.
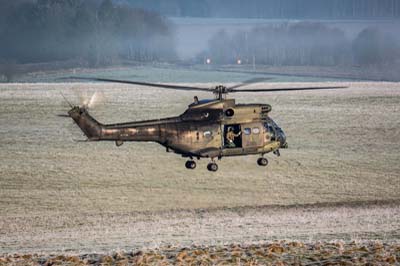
273	9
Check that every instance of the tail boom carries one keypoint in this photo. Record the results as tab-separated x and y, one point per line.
95	131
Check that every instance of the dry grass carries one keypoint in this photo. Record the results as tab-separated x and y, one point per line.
276	253
344	146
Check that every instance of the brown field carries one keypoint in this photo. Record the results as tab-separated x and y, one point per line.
277	253
339	179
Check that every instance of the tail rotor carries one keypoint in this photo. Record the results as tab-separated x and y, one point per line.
87	99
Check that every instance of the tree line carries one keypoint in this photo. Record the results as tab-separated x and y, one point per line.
274	9
303	43
93	32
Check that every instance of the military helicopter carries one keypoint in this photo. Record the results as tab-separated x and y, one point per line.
209	128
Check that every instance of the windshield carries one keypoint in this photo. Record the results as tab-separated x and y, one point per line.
275	131
269	126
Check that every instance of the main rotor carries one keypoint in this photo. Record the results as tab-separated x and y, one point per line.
219	91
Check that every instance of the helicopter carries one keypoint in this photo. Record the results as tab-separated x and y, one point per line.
209	128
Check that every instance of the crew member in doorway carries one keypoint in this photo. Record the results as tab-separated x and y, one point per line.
230	137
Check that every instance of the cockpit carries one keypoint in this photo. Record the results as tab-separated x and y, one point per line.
276	132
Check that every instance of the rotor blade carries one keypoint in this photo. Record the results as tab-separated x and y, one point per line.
290	89
156	85
95	99
65	98
248	82
62	115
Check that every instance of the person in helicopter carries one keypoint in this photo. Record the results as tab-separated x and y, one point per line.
230	137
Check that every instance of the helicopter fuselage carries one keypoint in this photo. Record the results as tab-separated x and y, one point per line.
208	128
201	131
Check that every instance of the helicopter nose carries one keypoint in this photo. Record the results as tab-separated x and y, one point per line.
282	139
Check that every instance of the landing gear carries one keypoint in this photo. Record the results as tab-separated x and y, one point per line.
190	164
212	167
277	153
262	161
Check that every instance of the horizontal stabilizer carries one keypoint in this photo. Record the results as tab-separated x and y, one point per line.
81	140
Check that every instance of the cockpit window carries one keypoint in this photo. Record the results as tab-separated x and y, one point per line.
269	126
256	130
275	131
247	131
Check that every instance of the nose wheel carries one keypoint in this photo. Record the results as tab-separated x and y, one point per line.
262	161
212	167
190	164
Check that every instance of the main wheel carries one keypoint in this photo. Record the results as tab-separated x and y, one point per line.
213	167
190	164
262	161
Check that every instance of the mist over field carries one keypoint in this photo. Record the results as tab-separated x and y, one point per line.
48	34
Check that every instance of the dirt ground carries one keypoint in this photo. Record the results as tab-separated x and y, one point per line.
339	179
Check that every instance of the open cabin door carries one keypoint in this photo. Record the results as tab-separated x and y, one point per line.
232	136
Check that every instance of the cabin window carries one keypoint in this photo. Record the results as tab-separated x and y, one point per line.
256	130
247	131
207	134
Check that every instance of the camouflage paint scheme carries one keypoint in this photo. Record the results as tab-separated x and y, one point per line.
198	132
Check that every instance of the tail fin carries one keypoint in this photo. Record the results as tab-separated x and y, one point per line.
86	122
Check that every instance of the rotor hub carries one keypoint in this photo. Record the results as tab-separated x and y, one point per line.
219	91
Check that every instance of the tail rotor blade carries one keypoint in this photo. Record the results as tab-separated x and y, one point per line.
96	99
88	100
65	98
